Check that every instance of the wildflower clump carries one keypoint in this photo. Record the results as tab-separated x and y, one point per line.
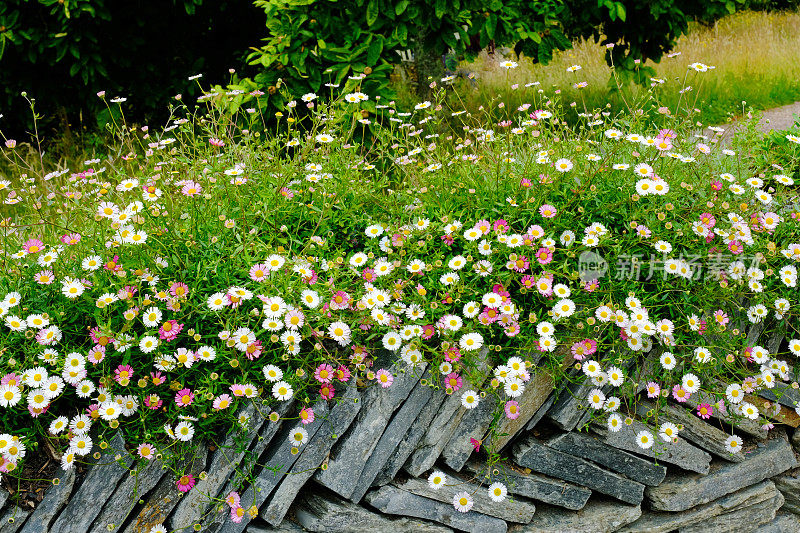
159	293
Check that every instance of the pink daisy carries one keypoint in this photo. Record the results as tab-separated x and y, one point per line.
680	394
327	391
184	397
179	290
185	483
306	415
342	373
512	409
548	211
705	411
32	246
71	238
223	401
259	272
384	378
324	373
453	381
152	401
123	373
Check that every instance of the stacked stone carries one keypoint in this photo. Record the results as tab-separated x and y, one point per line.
365	467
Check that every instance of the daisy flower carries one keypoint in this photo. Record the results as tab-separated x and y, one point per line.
437	479
497	492
462	501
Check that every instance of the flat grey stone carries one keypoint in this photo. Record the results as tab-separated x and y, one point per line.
783	523
444	424
163	499
331	514
571	405
55	498
395	431
783	393
409	443
13	519
541	412
592	449
679	453
133	487
664	522
333	426
751	427
536	486
277	461
4	494
600	515
99	485
540	458
789	485
441	429
287	526
225	459
391	500
537	390
695	430
519	511
473	425
350	455
680	492
744	520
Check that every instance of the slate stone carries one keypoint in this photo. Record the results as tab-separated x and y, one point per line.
349	456
783	393
598	516
665	522
540	458
535	486
751	427
408	444
277	461
331	514
541	412
519	511
695	430
391	500
4	494
13	519
287	526
135	485
473	425
789	485
333	426
681	492
571	405
744	520
782	523
679	453
444	425
592	449
536	392
55	498
394	433
225	459
165	496
99	484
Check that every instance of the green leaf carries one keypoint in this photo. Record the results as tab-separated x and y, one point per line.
731	7
401	6
491	25
621	11
440	7
372	12
374	52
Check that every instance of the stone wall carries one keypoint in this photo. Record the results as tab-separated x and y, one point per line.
377	447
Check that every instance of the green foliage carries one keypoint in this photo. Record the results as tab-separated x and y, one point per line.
312	42
62	52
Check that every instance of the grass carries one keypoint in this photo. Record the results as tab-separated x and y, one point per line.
754	55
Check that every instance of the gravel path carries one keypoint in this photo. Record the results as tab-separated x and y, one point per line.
777	118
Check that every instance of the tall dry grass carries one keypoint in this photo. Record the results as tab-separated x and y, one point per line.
756	56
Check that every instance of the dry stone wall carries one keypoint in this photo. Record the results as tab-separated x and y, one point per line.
365	466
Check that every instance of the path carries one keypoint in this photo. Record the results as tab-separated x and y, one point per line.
777	118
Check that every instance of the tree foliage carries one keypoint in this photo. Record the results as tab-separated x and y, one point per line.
62	52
